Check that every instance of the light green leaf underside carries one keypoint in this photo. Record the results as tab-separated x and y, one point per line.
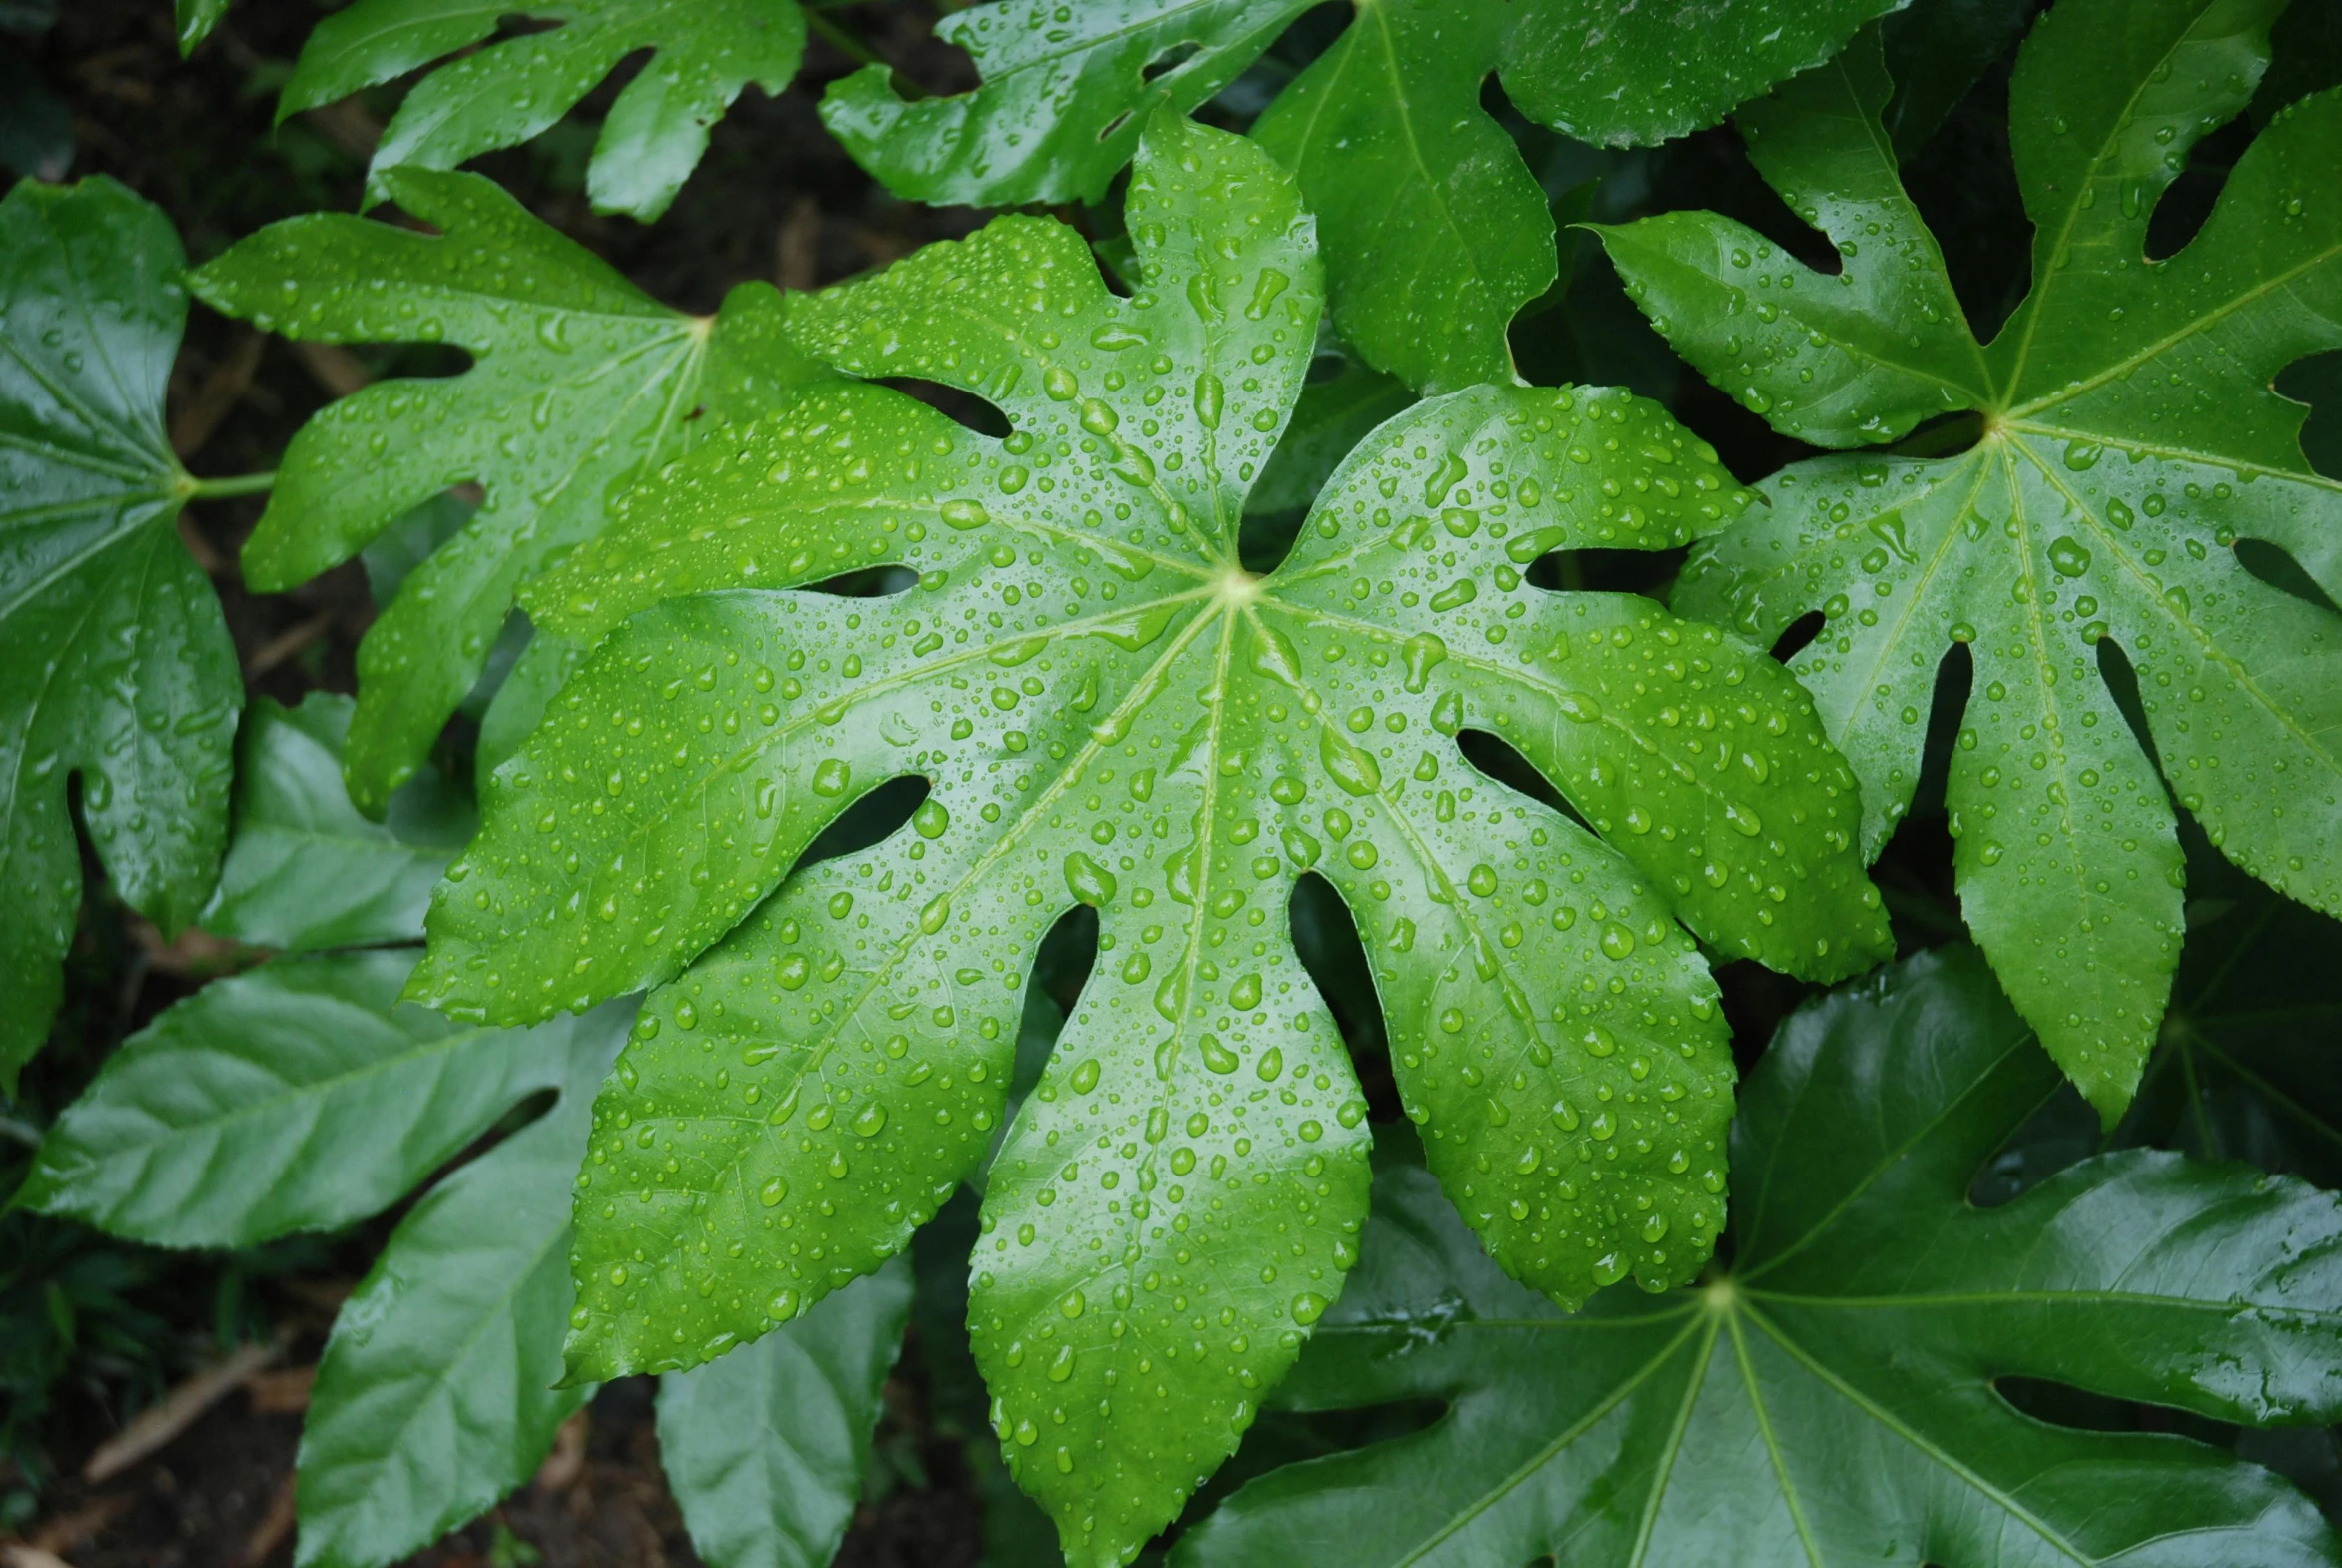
1109	711
304	870
2131	439
114	662
516	88
581	384
436	1394
766	1448
1832	1400
297	1096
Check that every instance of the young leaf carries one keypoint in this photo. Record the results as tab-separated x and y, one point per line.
1435	231
304	870
1831	1397
2247	1068
765	1448
2130	437
1109	710
114	662
581	383
299	1097
516	89
435	1395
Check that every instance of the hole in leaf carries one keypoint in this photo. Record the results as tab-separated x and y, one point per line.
1799	636
2317	380
2273	566
1913	871
1105	132
867	583
1500	762
1647	572
1170	60
1266	538
877	816
2115	668
2064	1131
2181	212
1061	965
964	409
1326	937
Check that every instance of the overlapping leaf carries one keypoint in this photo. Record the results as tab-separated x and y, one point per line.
2250	1062
766	1448
1435	231
297	1096
115	667
1831	1398
2129	439
1109	710
436	1394
305	871
581	383
513	89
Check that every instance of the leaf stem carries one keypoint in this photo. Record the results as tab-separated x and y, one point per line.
852	48
234	484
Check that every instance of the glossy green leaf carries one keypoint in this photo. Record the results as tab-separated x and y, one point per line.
304	870
513	90
1831	1397
114	663
1109	710
1066	90
1436	229
435	1395
2249	1067
765	1448
300	1096
1633	75
197	18
2129	439
1436	232
581	383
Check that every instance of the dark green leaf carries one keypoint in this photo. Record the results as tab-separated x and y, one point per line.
581	381
435	1396
2130	439
765	1448
1330	419
304	870
1936	50
114	663
1109	710
299	1097
2249	1065
1831	1397
483	99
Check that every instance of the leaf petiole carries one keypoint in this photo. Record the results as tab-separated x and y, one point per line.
225	488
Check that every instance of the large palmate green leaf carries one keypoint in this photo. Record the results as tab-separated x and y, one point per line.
1109	710
304	870
299	1097
483	99
2250	1062
2129	439
114	663
1436	232
581	381
436	1394
1831	1397
765	1448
